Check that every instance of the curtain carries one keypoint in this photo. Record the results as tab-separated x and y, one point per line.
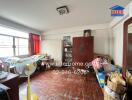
34	44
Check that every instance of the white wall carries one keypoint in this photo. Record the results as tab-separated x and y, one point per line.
117	36
130	28
130	8
101	42
100	33
53	48
118	43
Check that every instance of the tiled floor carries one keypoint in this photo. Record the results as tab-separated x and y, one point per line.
64	85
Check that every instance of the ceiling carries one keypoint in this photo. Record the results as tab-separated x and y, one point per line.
42	14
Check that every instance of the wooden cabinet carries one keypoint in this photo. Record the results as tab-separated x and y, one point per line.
82	51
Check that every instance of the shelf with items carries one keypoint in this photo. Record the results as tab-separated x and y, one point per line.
68	46
68	55
67	51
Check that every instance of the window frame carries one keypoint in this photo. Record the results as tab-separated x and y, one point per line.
14	46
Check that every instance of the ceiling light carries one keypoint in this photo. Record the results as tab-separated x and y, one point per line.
62	10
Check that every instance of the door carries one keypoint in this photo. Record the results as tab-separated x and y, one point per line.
129	52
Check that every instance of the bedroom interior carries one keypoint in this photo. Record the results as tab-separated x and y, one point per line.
65	50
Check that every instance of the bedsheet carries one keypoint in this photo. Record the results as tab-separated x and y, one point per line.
19	63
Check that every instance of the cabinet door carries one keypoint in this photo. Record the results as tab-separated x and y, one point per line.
82	50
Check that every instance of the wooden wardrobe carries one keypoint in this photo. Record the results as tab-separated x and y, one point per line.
82	51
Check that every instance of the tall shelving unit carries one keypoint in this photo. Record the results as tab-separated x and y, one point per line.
67	52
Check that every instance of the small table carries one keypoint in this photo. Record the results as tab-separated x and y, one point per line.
47	62
12	81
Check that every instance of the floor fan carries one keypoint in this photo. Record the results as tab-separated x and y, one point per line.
28	70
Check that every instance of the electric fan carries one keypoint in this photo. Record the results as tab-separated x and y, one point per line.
25	68
29	69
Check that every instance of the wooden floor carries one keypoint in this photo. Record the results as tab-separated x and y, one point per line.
64	85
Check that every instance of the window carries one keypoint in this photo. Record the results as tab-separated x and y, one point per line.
13	42
21	46
6	43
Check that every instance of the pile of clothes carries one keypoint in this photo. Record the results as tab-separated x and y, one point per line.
110	79
115	87
102	68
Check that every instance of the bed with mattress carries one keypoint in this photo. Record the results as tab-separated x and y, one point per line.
18	64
